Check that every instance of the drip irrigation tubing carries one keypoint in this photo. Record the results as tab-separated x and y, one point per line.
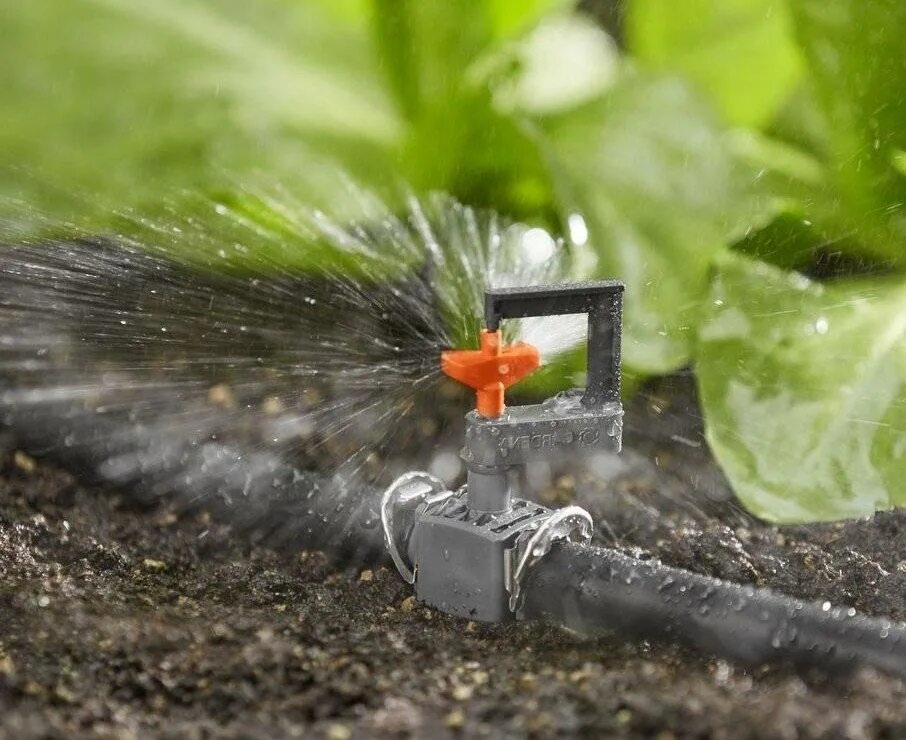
595	589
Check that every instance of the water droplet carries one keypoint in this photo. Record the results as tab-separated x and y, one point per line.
578	230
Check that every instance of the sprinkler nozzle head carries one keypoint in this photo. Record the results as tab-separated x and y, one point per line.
490	369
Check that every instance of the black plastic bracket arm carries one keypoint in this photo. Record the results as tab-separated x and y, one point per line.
601	300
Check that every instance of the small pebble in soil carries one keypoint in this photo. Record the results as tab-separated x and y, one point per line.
455	719
338	732
462	692
64	695
272	406
168	519
24	462
7	667
222	396
398	716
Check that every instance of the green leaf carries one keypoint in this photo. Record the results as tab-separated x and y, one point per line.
485	159
253	229
456	141
352	11
787	178
789	242
426	46
661	193
113	103
804	391
740	52
790	172
854	51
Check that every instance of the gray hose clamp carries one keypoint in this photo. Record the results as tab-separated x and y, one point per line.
467	563
570	522
399	506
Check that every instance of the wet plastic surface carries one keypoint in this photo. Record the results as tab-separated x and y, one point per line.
595	589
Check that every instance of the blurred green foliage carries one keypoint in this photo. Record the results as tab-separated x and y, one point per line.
740	52
803	387
718	148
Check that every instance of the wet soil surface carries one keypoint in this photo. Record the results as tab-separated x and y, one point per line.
118	620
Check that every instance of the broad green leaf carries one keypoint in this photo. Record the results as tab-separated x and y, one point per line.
787	179
482	157
801	121
662	193
789	241
456	141
804	391
265	228
854	51
426	46
740	52
352	11
118	103
794	173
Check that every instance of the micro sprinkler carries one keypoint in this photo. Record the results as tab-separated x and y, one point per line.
484	553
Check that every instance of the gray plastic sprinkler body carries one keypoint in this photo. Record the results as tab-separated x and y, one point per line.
468	551
485	554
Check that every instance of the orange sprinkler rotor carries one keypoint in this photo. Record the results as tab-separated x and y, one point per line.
490	370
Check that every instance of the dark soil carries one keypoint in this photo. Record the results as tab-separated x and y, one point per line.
123	621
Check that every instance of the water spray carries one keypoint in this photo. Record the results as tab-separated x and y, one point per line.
484	553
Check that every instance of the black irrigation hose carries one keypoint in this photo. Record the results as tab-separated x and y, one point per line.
257	492
595	589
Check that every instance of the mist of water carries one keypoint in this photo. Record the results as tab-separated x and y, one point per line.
191	356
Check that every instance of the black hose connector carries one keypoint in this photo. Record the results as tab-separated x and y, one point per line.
595	589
